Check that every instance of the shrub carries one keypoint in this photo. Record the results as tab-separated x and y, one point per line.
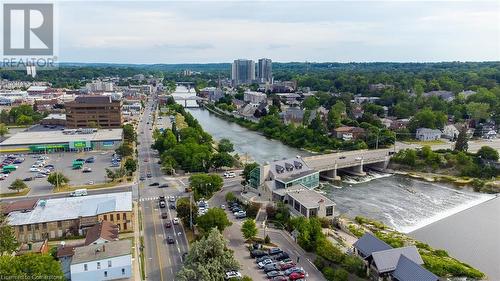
267	239
329	273
230	197
252	209
271	212
354	265
340	275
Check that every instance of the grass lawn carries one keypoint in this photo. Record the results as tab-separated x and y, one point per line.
15	194
430	143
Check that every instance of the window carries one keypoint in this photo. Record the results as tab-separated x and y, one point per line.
105	274
44	225
111	217
329	211
28	227
85	267
124	216
36	226
105	217
117	217
123	271
98	265
59	224
109	263
21	228
124	225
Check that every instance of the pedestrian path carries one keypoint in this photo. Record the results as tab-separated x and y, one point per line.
148	199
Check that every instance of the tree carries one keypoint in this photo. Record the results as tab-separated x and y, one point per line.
3	129
461	143
222	160
8	242
214	218
124	150
30	267
310	103
249	229
247	169
208	259
478	110
341	275
130	165
335	115
57	179
230	197
24	120
129	133
426	118
204	185
185	209
488	153
18	185
225	145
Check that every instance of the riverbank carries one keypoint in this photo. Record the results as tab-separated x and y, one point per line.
471	235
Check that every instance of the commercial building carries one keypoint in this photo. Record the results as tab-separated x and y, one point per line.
69	216
348	133
426	134
243	72
305	202
91	111
67	140
265	71
254	97
107	261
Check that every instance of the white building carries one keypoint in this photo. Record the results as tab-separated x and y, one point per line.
426	134
108	261
254	97
450	132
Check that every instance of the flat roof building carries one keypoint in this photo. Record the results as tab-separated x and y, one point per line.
59	217
94	110
306	202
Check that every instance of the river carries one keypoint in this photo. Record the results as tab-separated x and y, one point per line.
438	214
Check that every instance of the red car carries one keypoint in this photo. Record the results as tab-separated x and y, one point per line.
286	266
296	275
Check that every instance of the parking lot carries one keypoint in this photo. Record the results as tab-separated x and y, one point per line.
62	163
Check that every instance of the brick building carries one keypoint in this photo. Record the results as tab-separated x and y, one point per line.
94	110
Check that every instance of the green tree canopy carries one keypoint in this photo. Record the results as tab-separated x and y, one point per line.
222	159
310	103
461	143
130	165
214	218
3	129
185	209
8	242
125	150
225	145
204	185
488	153
249	229
30	267
57	179
18	185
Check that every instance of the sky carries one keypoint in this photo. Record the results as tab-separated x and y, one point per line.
325	31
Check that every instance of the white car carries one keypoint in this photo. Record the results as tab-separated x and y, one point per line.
265	262
176	220
232	274
228	175
223	207
33	169
358	159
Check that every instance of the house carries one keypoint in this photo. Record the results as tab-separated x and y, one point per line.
254	97
348	133
305	202
238	103
450	132
361	99
467	93
490	134
323	113
41	247
387	122
292	115
103	232
357	112
426	134
386	263
444	95
108	261
399	124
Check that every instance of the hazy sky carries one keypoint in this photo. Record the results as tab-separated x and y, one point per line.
342	31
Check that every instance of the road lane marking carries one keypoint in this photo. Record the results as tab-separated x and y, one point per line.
157	248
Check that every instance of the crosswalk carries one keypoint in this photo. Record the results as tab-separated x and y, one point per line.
144	199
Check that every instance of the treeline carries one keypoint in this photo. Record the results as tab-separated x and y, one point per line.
21	115
189	148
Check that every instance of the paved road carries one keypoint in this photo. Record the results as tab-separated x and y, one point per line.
163	260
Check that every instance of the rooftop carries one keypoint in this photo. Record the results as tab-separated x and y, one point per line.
387	260
93	99
102	251
21	205
50	137
369	243
407	270
289	169
105	230
309	198
68	208
55	116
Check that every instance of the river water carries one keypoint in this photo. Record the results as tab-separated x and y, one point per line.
409	205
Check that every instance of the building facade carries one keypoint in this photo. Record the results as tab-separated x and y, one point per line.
265	70
243	72
254	97
94	111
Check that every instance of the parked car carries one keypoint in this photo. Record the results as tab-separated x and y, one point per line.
274	273
154	184
86	170
26	179
281	256
279	278
148	175
163	185
257	260
90	160
296	275
172	206
285	266
292	270
142	178
232	275
78	192
176	220
170	240
257	253
275	251
271	267
33	169
222	206
228	175
171	199
162	204
265	262
240	214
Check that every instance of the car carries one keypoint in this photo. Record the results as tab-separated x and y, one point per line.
86	170
164	215
275	251
274	273
271	267
257	260
223	207
285	266
78	160
154	184
90	160
279	278
257	253
281	256
162	204
146	160
142	178
163	185
161	198
26	179
358	158
33	169
168	224
176	220
148	175
171	199
170	240
90	182
184	256
342	157
228	175
292	270
172	206
241	215
296	275
232	274
49	166
265	262
40	175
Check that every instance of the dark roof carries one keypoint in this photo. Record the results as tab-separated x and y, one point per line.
22	205
93	99
67	250
387	260
104	230
407	270
368	244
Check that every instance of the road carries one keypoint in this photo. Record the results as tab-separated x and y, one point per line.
162	260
